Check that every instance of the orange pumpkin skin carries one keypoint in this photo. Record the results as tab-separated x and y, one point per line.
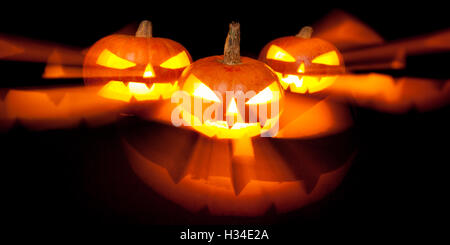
248	75
303	52
142	51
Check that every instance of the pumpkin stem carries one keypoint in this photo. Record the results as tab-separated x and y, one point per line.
305	32
231	53
144	29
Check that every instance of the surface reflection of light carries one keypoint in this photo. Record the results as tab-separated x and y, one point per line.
384	93
55	108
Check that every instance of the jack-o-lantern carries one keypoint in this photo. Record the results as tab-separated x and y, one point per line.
140	66
303	64
242	94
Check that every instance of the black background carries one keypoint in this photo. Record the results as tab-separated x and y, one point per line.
66	180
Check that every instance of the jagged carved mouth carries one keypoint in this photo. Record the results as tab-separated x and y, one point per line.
305	83
223	130
117	90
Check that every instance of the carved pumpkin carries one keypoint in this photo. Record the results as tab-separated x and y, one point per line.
239	175
243	94
303	64
141	66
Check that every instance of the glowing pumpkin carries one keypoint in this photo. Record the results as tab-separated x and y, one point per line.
224	170
303	63
141	66
243	94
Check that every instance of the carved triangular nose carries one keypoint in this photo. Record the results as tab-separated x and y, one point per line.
301	68
232	109
233	115
149	72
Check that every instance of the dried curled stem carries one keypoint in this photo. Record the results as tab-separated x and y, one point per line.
305	32
144	29
232	52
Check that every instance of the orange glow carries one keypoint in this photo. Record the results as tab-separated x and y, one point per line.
9	49
431	43
178	61
23	49
384	93
55	108
329	58
225	185
323	83
395	64
277	53
242	147
55	67
108	59
53	71
117	90
346	31
149	72
307	117
363	49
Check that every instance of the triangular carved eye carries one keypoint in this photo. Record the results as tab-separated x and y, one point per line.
266	95
206	93
178	61
108	59
200	90
330	58
277	53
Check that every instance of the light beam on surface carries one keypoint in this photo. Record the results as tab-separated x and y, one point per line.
346	31
56	108
23	49
384	93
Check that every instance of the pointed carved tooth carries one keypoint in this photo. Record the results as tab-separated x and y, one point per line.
242	169
199	163
3	94
172	150
310	183
242	163
56	96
